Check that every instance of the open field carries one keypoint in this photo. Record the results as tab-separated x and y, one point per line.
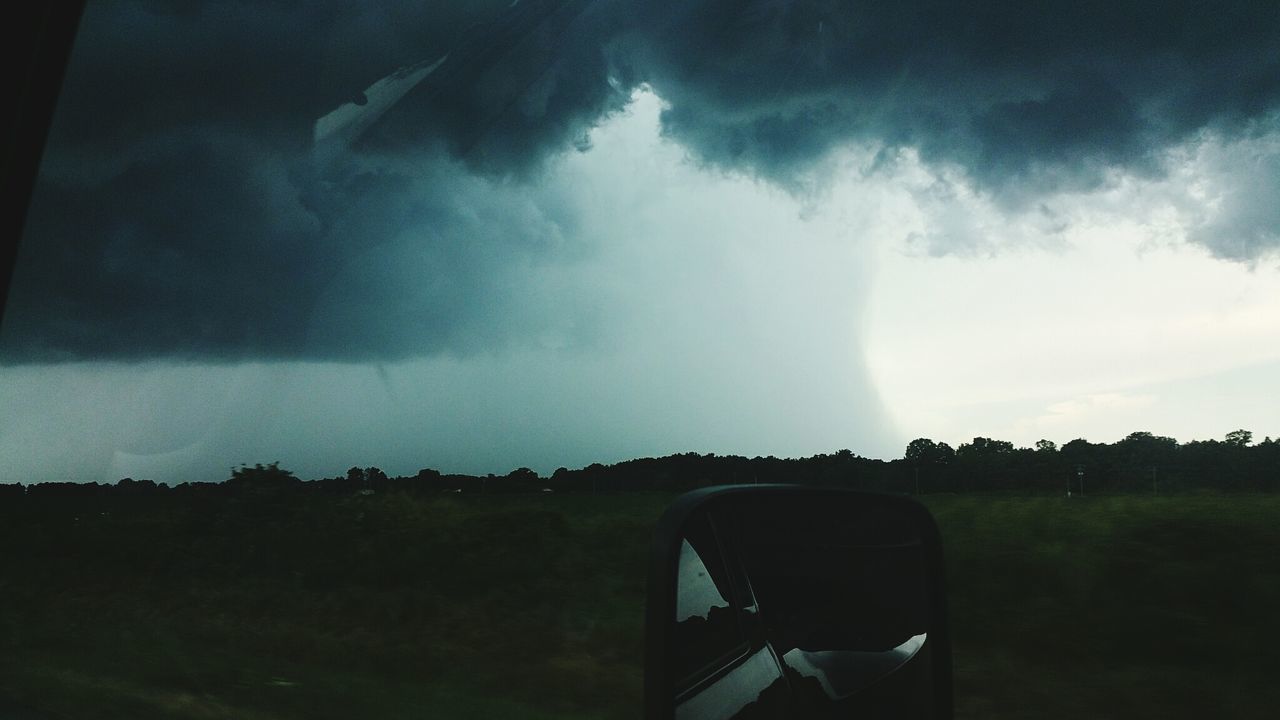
459	606
1118	607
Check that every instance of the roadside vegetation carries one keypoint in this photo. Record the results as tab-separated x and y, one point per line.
1113	607
278	604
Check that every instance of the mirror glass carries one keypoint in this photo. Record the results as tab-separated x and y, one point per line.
706	626
804	603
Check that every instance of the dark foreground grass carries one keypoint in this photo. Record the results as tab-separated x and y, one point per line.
386	606
395	606
1118	607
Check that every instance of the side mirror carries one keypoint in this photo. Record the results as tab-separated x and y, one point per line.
785	601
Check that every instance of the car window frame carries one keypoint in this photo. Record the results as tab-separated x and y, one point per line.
41	48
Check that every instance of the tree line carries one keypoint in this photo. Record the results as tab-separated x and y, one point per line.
1140	463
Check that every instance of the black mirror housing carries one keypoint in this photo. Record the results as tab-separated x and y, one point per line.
787	601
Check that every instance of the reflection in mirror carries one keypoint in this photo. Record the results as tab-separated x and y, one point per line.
844	591
751	689
796	602
722	676
841	673
707	627
831	577
696	592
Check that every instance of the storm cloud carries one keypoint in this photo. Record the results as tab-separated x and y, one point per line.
184	211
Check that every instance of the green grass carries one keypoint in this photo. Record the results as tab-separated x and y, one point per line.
1114	607
393	606
385	606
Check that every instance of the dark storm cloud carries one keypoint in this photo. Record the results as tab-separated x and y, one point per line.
1016	92
182	211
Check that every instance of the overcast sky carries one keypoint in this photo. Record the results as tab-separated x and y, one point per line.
551	234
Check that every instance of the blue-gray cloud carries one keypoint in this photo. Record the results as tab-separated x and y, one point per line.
182	210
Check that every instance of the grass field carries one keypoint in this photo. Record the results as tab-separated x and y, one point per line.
1116	607
393	606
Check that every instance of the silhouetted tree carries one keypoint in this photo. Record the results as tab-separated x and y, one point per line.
983	447
922	450
261	477
11	492
138	487
375	479
1239	438
521	480
426	480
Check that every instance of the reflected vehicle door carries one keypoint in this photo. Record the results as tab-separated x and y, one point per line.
723	668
